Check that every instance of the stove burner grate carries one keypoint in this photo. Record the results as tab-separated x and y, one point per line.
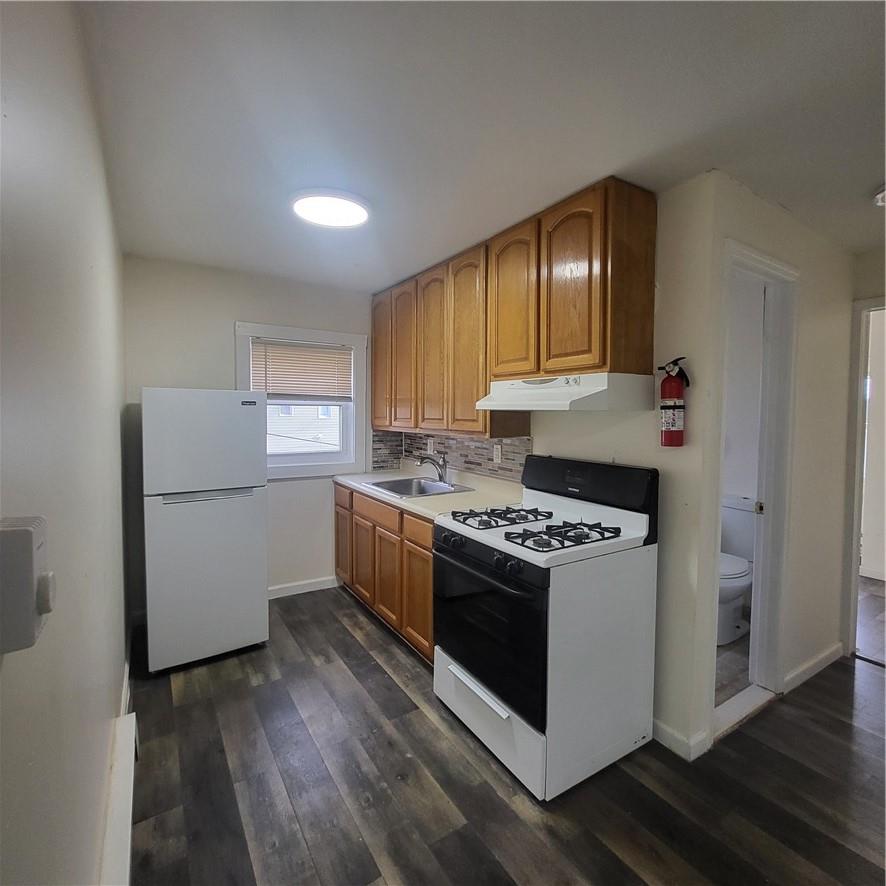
562	535
493	518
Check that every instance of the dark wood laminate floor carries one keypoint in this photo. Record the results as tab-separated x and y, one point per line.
326	759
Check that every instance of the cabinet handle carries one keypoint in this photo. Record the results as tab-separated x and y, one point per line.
480	692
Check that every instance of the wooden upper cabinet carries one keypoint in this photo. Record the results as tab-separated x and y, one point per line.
432	349
466	322
381	360
512	296
573	301
403	355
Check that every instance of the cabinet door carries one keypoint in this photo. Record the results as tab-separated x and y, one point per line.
363	562
343	531
418	598
432	362
573	317
403	356
466	307
387	576
381	360
512	302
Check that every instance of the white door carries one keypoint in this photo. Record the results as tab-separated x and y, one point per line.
200	440
206	560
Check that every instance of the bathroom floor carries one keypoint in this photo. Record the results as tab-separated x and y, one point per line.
732	669
869	640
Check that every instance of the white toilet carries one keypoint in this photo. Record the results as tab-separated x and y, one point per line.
736	567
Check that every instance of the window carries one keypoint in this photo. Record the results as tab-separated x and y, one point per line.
315	384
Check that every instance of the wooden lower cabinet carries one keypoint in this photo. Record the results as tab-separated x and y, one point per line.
363	563
391	572
418	598
387	576
343	535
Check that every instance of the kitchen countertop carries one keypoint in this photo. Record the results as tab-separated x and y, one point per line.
485	491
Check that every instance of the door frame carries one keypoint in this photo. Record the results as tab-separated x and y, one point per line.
861	324
774	466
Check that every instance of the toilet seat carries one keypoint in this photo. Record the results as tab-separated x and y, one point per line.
733	567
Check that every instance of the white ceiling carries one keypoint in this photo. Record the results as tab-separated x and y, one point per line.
456	120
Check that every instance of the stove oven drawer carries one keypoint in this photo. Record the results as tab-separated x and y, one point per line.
510	738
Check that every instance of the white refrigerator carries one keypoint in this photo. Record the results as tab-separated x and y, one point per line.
204	458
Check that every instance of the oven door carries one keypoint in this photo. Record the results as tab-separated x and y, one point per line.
496	628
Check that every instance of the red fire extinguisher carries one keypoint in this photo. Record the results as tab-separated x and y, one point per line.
673	408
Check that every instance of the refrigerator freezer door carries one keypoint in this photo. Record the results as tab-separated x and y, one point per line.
206	561
195	440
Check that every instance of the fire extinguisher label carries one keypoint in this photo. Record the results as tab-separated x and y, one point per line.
672	415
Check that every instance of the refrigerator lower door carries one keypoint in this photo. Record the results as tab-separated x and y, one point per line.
206	563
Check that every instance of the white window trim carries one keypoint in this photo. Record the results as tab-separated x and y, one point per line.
245	332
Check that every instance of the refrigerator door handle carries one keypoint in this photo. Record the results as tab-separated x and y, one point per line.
216	495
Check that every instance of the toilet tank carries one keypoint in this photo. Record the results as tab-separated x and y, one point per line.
738	523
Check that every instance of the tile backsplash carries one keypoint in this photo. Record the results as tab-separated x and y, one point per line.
387	450
463	453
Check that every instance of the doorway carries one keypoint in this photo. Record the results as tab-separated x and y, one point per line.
758	355
868	548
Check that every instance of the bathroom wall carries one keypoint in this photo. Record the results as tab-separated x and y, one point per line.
873	525
743	372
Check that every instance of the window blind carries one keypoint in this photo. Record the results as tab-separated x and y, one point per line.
302	370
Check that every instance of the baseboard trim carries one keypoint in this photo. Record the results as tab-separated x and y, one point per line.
301	587
117	843
688	748
812	666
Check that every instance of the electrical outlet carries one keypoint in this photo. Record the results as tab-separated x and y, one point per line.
430	445
496	453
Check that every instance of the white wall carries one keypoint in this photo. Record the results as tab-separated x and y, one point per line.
179	321
682	327
813	592
61	395
873	525
694	220
868	274
743	373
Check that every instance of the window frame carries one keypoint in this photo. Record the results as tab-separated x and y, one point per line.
294	466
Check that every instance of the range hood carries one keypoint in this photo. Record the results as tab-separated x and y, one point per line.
598	391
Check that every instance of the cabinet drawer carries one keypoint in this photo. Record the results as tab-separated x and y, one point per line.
512	740
418	531
382	515
342	497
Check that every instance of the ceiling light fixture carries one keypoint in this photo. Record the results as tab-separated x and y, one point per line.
330	209
880	197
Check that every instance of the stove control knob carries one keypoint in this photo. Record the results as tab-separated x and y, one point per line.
458	541
513	567
446	538
498	560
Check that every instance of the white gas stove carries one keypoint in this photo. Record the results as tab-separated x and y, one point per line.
550	530
544	619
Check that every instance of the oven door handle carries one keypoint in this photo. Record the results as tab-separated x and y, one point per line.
455	564
479	691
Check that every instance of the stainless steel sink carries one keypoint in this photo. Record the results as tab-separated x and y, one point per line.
413	487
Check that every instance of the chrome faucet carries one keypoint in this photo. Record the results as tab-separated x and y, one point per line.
439	464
